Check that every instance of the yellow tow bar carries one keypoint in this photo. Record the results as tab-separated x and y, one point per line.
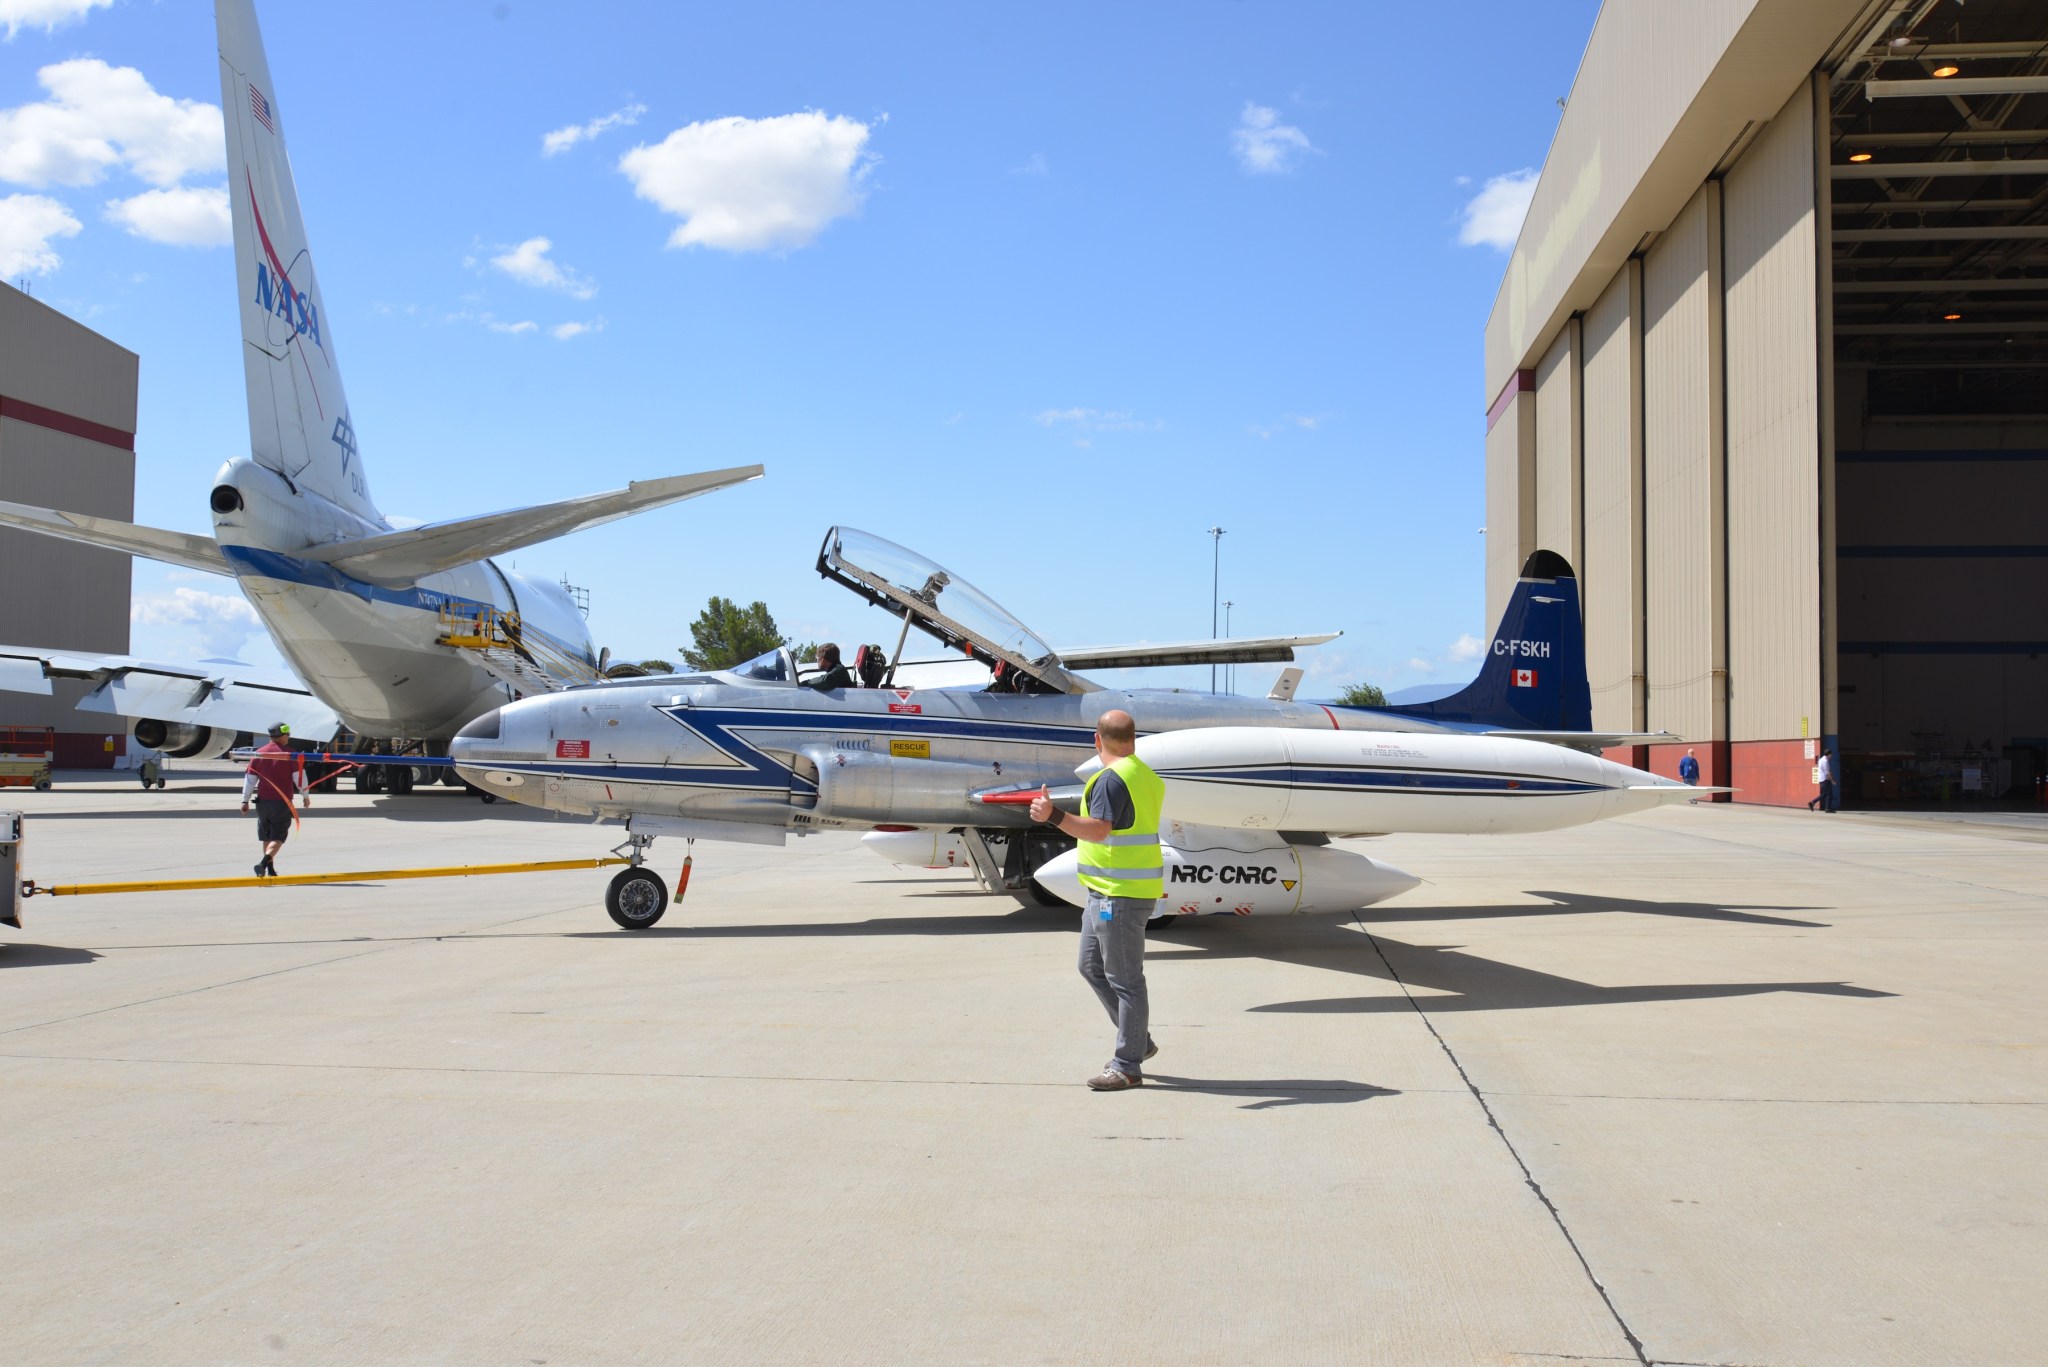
294	880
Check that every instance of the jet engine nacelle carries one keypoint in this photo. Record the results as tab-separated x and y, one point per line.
859	785
183	740
1211	871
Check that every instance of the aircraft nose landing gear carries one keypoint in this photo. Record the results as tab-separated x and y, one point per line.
637	896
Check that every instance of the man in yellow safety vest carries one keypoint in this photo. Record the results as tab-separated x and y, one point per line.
1120	867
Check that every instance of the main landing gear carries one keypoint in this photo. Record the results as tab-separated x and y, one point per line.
637	896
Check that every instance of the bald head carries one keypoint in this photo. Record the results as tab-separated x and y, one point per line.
1118	732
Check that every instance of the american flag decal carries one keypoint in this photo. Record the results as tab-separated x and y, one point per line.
1525	678
260	107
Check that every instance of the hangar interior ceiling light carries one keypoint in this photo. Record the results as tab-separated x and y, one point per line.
1938	207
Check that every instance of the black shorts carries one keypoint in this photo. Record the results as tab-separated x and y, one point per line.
273	819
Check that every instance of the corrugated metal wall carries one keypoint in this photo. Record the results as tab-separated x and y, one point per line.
1611	580
1683	505
1557	447
1510	501
1773	432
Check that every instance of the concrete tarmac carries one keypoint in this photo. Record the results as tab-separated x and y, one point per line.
1703	1086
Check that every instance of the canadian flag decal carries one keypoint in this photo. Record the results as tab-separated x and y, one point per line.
1525	678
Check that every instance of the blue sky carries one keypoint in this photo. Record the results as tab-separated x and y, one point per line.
1042	292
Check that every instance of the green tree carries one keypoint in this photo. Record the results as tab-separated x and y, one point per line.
727	634
1362	695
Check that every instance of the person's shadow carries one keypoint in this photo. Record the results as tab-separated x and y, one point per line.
1274	1092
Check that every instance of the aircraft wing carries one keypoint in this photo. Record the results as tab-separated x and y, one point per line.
152	543
1592	742
399	558
229	697
1239	651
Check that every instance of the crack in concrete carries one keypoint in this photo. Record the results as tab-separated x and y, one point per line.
1528	1178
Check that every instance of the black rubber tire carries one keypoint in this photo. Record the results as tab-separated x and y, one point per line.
1040	897
42	785
636	898
369	780
1160	923
398	780
487	797
451	779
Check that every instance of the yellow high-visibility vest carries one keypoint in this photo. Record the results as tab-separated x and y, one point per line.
1126	862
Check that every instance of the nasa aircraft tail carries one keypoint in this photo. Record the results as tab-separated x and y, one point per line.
1534	678
299	420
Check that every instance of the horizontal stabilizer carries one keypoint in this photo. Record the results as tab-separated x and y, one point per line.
1242	650
152	543
396	559
224	696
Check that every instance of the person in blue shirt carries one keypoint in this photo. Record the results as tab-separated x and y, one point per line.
1689	770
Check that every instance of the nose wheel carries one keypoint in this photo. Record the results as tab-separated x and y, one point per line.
636	898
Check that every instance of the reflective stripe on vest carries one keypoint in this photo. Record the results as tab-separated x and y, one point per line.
1126	863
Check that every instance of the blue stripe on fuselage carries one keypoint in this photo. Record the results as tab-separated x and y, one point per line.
289	569
1408	780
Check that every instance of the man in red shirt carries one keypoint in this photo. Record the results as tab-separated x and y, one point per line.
274	775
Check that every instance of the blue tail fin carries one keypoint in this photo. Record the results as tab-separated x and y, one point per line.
1534	678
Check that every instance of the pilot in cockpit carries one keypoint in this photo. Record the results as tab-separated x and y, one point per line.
831	673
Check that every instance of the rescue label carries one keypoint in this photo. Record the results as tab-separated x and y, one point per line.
1224	873
910	749
572	749
914	709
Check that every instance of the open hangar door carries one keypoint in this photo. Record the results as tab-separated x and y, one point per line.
1937	182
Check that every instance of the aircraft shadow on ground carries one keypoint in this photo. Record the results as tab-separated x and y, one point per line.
1275	1092
1471	982
1035	921
42	956
1577	903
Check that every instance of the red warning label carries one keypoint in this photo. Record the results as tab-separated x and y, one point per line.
572	749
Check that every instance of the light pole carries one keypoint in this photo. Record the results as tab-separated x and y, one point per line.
1229	671
1215	590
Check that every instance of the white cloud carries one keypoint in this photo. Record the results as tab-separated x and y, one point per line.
100	117
523	326
562	139
1306	422
1465	649
1034	165
562	332
27	224
1493	217
750	185
1095	420
183	216
528	263
1264	145
47	15
1420	665
217	622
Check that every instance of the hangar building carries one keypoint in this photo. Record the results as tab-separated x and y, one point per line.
1770	367
67	440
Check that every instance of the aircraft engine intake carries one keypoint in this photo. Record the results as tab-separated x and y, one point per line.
859	785
183	740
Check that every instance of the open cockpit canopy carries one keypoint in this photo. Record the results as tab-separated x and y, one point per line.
942	605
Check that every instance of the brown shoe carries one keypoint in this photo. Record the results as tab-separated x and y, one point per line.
1112	1080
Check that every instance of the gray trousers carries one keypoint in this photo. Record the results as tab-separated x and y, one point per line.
1113	962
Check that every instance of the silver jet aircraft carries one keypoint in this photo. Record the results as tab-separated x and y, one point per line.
1255	787
398	629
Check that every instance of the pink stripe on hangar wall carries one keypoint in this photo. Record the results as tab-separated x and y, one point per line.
1524	382
38	416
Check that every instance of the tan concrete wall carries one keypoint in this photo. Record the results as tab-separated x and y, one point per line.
1611	579
1664	91
1510	500
55	594
56	362
1773	378
1557	447
1682	467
